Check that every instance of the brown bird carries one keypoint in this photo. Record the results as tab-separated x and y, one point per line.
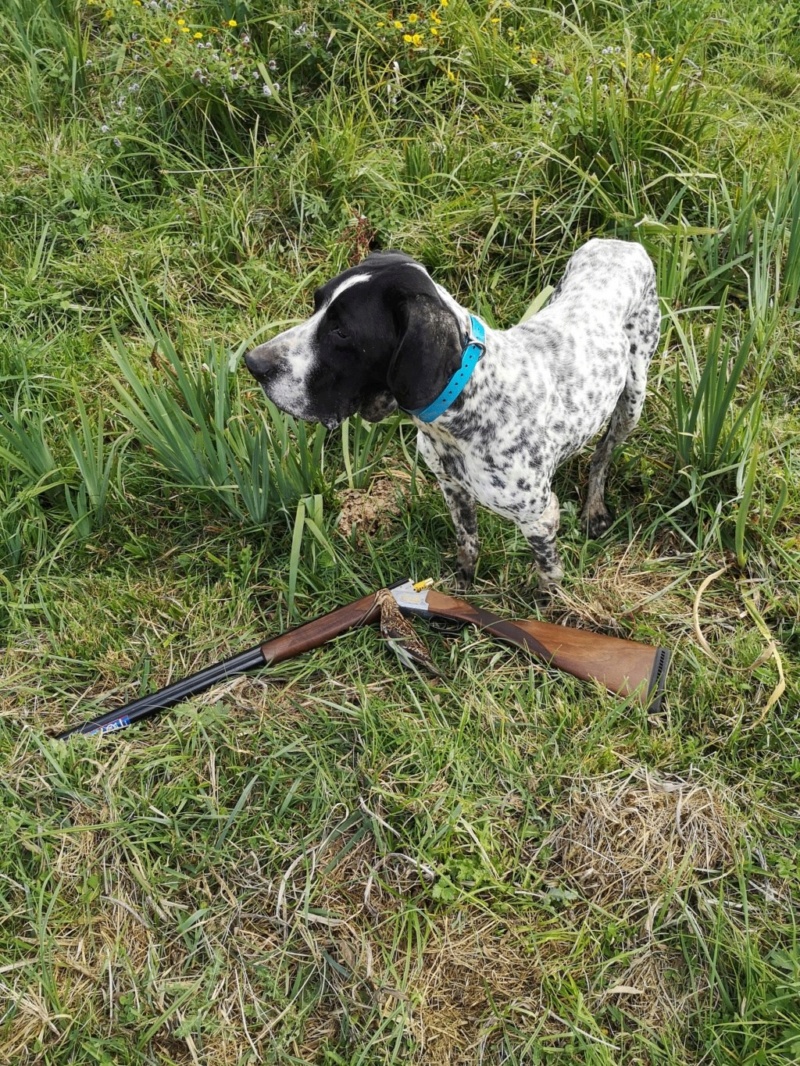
400	636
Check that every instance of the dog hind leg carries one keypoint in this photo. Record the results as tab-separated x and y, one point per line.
642	330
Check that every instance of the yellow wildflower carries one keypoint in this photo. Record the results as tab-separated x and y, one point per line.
417	39
109	14
381	25
233	23
493	21
198	36
451	76
443	3
166	40
397	25
534	60
434	31
413	18
181	22
407	38
185	29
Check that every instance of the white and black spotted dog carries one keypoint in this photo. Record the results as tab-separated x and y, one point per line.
497	410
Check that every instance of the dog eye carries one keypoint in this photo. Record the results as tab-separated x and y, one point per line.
338	332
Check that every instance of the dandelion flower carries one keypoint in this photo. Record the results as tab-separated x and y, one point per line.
181	22
413	18
198	36
397	24
233	23
166	40
417	39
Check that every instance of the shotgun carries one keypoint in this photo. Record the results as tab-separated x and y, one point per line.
622	666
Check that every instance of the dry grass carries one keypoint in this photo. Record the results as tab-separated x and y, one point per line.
638	837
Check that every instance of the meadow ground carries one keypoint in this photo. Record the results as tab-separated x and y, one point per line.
345	864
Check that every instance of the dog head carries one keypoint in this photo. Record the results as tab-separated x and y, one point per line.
383	335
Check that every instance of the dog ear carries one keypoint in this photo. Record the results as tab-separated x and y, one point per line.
428	353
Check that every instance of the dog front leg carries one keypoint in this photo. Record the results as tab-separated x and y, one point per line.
463	510
540	533
464	513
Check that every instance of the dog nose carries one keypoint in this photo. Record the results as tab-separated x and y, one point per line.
261	361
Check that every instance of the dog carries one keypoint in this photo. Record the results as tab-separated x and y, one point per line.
497	410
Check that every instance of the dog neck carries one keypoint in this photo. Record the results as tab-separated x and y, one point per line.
472	350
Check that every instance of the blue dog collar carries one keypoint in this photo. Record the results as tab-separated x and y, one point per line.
475	348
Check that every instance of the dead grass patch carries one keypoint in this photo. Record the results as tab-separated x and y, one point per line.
633	835
653	988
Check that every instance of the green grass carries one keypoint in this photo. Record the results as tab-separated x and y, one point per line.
339	863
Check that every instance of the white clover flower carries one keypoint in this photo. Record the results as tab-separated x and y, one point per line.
104	128
265	89
273	64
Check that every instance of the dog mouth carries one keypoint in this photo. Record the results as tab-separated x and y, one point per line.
299	410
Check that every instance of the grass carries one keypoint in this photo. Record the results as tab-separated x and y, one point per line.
338	863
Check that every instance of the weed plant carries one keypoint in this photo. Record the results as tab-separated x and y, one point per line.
344	864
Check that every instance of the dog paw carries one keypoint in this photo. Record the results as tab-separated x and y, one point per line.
549	583
464	580
544	593
596	522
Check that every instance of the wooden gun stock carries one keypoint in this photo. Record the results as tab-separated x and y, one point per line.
623	666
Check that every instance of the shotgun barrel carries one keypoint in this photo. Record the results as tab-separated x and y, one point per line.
278	650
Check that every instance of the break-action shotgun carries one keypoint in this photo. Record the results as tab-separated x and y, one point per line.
625	667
